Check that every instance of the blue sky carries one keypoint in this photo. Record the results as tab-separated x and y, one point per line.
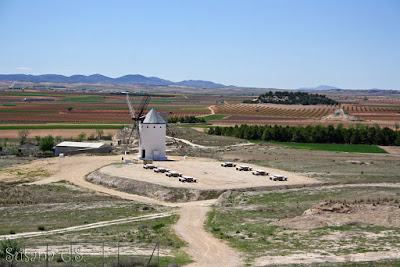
282	44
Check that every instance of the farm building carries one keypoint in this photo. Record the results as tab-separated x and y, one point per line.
79	147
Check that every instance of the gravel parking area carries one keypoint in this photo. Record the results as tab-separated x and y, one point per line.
209	173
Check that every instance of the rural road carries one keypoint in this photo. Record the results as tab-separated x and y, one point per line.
203	247
87	226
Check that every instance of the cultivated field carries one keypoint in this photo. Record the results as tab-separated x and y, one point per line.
337	206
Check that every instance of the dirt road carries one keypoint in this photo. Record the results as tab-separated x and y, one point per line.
205	249
87	226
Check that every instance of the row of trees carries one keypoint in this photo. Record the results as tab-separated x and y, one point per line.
357	134
23	135
186	119
292	98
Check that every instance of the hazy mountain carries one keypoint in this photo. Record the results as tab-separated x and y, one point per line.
199	83
318	88
101	79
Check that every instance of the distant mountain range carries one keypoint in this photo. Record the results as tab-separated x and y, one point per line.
101	79
318	88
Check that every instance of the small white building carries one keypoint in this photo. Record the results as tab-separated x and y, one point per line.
65	147
152	131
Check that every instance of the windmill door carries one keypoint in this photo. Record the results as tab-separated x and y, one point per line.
143	153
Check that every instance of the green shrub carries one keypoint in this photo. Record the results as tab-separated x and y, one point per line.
12	246
46	143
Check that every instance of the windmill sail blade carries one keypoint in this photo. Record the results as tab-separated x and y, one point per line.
131	109
143	105
130	135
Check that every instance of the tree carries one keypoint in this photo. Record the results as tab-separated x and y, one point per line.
23	134
81	136
46	143
99	133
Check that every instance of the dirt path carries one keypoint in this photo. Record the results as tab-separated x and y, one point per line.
211	108
392	150
188	142
205	249
310	258
87	226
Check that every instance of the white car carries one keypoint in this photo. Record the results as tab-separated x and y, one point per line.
149	166
244	168
260	172
278	178
228	164
187	179
162	170
173	174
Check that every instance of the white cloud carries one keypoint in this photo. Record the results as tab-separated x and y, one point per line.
24	68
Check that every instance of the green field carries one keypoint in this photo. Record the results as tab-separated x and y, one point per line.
50	127
213	117
331	147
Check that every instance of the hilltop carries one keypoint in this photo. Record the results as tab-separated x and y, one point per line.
132	79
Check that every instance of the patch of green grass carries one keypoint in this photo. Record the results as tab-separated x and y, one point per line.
84	99
48	127
27	111
9	105
331	147
214	117
194	109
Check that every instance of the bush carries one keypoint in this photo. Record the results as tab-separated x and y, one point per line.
41	228
81	136
12	246
46	143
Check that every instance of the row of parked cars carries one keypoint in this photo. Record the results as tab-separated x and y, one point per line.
170	173
255	172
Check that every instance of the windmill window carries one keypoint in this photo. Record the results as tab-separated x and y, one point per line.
147	126
154	127
160	127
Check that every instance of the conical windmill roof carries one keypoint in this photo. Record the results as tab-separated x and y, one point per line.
153	117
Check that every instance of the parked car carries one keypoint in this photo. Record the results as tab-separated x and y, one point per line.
187	179
244	168
173	174
260	172
228	164
149	166
161	170
278	178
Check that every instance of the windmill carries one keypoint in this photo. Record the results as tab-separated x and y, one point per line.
151	130
143	105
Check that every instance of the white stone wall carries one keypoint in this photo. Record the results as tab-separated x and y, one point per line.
152	141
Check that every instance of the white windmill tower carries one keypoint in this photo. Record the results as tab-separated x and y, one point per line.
151	130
